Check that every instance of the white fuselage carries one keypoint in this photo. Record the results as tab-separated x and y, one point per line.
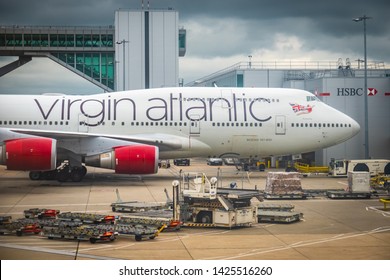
183	122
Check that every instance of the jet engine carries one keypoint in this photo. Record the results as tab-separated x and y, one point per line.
134	159
29	154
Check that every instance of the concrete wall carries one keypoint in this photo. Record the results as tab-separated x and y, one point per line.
347	95
151	51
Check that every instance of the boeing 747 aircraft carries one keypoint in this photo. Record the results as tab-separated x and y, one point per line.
130	131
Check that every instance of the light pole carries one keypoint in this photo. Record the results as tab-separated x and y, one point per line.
123	42
366	146
250	61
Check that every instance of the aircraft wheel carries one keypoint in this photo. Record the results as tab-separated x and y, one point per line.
35	175
77	174
63	175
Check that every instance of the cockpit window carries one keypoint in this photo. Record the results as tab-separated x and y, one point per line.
312	98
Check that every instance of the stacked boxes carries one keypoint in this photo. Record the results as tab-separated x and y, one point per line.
283	183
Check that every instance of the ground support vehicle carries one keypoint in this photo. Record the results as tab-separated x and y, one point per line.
41	213
164	164
206	215
86	218
250	165
153	218
94	232
20	227
89	233
182	162
140	231
10	228
284	185
138	206
202	204
5	219
358	187
341	167
29	229
215	161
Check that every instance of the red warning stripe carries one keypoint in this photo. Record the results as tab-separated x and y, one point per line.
387	93
324	94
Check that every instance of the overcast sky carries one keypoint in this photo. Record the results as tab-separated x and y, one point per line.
220	33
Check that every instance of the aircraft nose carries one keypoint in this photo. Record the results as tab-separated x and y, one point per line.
355	127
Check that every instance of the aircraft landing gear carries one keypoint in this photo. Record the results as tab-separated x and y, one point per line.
35	175
75	173
62	174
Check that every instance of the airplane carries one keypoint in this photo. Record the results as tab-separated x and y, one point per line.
130	131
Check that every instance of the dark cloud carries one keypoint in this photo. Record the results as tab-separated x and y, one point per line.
331	18
236	28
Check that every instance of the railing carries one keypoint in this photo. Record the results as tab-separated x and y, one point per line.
306	168
293	65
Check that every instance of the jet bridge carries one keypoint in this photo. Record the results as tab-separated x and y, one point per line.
86	51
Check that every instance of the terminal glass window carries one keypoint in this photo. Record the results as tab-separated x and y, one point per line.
95	40
18	40
70	40
44	40
9	40
79	40
98	66
107	40
62	40
54	40
95	67
87	40
2	40
27	39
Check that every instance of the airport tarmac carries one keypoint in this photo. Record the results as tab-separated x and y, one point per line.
330	229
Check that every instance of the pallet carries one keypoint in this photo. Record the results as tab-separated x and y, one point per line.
348	195
278	217
285	196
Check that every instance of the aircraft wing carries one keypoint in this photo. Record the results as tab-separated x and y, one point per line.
91	144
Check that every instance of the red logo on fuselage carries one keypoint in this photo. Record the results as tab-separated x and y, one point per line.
301	109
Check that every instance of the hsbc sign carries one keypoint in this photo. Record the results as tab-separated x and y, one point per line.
355	91
372	91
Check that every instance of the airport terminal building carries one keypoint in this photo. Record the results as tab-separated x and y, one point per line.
141	50
338	84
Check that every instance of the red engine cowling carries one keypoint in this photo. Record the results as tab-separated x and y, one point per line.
139	159
134	159
29	154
